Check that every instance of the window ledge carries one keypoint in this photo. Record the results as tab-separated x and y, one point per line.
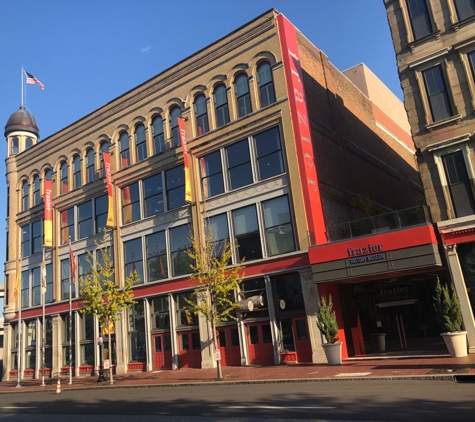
456	119
456	25
414	44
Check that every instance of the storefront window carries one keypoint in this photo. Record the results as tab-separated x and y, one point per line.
160	313
137	346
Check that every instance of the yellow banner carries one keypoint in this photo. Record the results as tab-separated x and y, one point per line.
110	209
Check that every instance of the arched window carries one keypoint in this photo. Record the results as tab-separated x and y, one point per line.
124	150
89	165
243	98
64	177
15	145
221	105
174	113
201	114
104	148
266	84
158	138
36	190
28	143
48	174
140	142
24	196
76	172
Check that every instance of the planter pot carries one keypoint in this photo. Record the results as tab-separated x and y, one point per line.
333	352
456	343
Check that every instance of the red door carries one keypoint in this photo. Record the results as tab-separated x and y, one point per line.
189	346
302	340
259	341
228	340
162	351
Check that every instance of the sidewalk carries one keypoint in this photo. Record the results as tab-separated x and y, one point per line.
441	367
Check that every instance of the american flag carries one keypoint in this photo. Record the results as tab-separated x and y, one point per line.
30	79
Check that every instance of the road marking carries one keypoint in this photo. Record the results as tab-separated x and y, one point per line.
353	374
277	407
18	407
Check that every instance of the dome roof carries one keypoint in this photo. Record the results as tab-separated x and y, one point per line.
21	120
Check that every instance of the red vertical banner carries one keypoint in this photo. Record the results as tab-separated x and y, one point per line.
301	128
181	128
48	217
110	207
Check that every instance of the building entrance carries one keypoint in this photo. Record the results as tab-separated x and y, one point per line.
162	351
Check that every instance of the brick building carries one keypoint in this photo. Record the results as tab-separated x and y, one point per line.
282	146
434	42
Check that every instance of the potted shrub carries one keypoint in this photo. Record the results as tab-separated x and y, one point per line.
449	317
328	326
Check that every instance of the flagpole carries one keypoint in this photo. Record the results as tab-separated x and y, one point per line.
70	318
19	330
43	295
22	74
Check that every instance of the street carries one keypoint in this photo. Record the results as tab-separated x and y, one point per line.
337	401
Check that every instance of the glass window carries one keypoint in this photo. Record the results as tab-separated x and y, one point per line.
104	148
221	105
36	191
419	16
175	186
243	98
180	243
140	142
239	164
217	227
153	195
87	339
90	165
201	115
76	172
158	137
247	233
84	267
48	174
24	196
185	317
279	232
160	313
64	177
269	153
85	226
133	258
67	225
465	8
26	240
253	334
459	184
36	281
130	203
37	236
65	280
124	150
437	93
266	84
101	205
211	174
25	289
288	293
137	346
28	143
15	144
174	113
49	284
157	256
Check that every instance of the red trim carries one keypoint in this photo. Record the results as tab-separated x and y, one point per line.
459	236
390	241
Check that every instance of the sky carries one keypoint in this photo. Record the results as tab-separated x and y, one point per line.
88	52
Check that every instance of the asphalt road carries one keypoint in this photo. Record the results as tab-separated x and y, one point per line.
334	400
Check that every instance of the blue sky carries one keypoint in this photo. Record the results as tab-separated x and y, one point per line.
89	52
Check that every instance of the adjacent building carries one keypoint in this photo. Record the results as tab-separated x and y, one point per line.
283	151
434	42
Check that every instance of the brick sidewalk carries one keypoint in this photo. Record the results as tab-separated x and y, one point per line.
416	367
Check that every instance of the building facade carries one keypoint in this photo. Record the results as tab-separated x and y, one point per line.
434	42
281	146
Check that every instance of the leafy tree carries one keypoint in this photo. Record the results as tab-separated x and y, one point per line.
216	282
101	296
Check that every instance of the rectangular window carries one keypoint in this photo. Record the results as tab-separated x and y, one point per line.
160	313
253	334
37	236
101	208
153	195
217	227
175	187
279	232
459	184
84	267
133	258
137	347
85	227
239	164
180	243
211	174
269	153
26	240
65	280
130	203
185	317
247	233
465	8
67	226
25	289
437	93
157	256
420	19
49	284
36	280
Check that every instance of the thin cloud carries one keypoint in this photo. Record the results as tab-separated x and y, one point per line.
146	49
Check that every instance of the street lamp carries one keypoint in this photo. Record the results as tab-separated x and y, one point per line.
100	342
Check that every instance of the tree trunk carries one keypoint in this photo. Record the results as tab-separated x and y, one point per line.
215	345
111	376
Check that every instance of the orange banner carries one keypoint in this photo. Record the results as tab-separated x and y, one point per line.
181	127
48	219
110	209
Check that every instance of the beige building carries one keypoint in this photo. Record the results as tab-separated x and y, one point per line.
281	145
434	41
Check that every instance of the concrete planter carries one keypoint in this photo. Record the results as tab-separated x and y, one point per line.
333	353
456	343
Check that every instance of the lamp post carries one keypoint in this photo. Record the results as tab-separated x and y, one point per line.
100	342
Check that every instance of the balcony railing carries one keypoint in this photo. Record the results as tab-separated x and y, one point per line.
381	223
